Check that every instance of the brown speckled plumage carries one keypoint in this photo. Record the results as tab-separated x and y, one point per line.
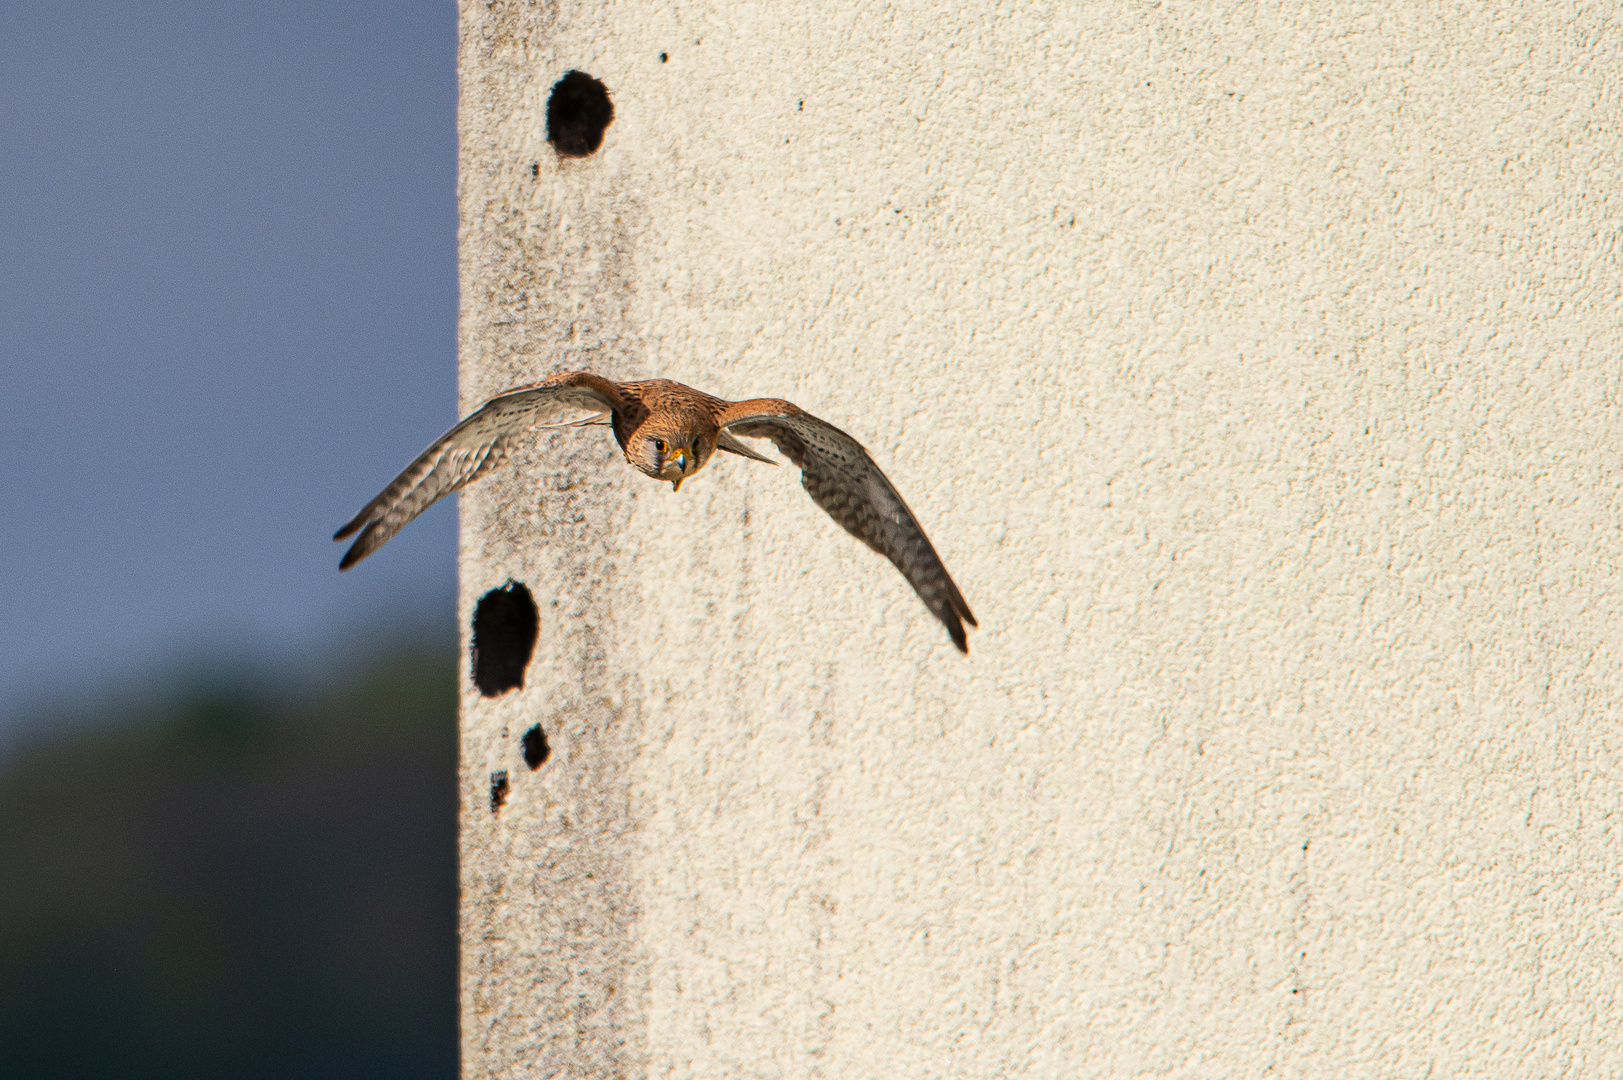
670	431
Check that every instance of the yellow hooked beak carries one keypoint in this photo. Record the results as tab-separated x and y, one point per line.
680	459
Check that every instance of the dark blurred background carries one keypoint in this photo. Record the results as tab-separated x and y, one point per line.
227	317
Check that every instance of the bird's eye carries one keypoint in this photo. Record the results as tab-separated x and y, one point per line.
659	444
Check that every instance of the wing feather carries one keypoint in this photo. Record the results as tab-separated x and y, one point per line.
843	479
475	446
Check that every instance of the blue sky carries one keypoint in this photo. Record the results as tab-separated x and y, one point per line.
227	317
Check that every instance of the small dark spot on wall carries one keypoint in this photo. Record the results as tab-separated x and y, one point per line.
505	623
664	57
498	790
800	106
535	169
578	112
536	750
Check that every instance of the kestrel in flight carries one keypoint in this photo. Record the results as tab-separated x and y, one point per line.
670	431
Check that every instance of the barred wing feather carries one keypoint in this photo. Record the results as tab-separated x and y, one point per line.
842	479
468	451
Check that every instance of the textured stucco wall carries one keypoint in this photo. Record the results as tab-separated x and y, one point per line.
1255	370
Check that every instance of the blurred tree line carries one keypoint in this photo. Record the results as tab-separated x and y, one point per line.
229	876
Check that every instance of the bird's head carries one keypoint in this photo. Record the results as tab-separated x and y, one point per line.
672	455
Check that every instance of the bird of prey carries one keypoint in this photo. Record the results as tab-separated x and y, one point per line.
670	431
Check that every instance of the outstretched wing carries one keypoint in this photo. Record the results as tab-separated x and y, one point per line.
471	449
841	478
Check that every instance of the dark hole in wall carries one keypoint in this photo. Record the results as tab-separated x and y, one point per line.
578	112
504	630
536	750
498	790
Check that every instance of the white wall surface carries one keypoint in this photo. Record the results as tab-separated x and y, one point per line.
1256	372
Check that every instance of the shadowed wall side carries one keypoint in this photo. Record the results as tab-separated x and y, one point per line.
551	983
